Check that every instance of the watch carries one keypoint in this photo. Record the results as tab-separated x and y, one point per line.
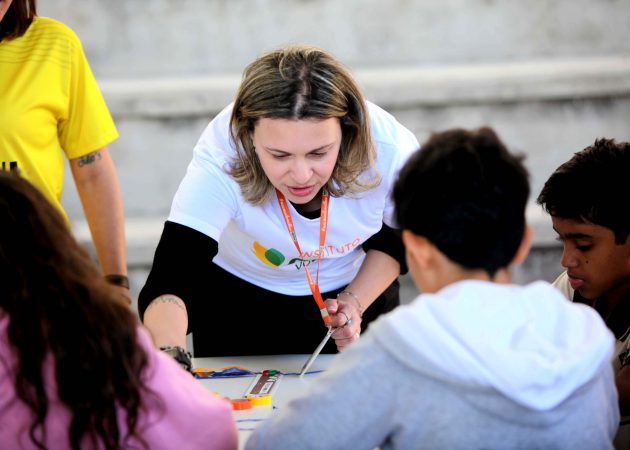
180	355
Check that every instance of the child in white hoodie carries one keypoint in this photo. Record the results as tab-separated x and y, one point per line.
474	361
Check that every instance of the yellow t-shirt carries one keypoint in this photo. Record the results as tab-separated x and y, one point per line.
50	104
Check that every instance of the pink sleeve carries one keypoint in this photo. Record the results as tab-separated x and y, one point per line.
184	414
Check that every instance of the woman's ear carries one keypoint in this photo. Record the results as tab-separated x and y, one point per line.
526	244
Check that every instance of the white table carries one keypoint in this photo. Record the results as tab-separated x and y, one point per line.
288	387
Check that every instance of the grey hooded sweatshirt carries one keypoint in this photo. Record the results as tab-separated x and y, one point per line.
477	365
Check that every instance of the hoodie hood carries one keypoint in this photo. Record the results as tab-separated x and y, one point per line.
528	342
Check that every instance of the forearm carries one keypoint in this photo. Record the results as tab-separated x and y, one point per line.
166	318
377	272
97	185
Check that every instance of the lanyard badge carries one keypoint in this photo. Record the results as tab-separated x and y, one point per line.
323	225
313	284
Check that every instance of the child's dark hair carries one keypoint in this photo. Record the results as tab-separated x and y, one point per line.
466	194
593	187
61	308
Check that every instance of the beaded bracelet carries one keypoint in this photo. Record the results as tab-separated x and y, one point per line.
355	298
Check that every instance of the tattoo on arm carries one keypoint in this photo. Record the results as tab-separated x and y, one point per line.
168	298
90	158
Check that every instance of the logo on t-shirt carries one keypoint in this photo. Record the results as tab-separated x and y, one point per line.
274	258
269	256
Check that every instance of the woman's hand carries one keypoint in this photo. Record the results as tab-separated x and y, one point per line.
346	318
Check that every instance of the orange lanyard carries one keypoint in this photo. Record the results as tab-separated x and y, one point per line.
323	224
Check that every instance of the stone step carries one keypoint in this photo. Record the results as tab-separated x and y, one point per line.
546	109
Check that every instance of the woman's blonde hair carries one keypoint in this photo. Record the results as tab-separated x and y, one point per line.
302	82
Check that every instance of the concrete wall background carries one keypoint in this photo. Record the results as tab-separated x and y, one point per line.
149	38
549	76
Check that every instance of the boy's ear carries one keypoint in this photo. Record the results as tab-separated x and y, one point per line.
418	248
526	243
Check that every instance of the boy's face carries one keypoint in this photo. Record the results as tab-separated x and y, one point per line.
596	265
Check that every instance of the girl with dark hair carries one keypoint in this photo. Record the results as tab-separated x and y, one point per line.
76	370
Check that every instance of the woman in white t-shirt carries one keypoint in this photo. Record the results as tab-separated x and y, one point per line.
283	222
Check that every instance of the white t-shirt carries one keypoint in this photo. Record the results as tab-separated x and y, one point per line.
254	243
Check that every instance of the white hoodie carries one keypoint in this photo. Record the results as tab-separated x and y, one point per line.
476	365
527	342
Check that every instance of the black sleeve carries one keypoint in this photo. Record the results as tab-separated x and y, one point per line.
181	259
388	240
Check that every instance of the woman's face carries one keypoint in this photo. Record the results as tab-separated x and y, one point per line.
4	6
298	156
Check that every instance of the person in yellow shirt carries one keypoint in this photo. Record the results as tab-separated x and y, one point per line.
50	105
